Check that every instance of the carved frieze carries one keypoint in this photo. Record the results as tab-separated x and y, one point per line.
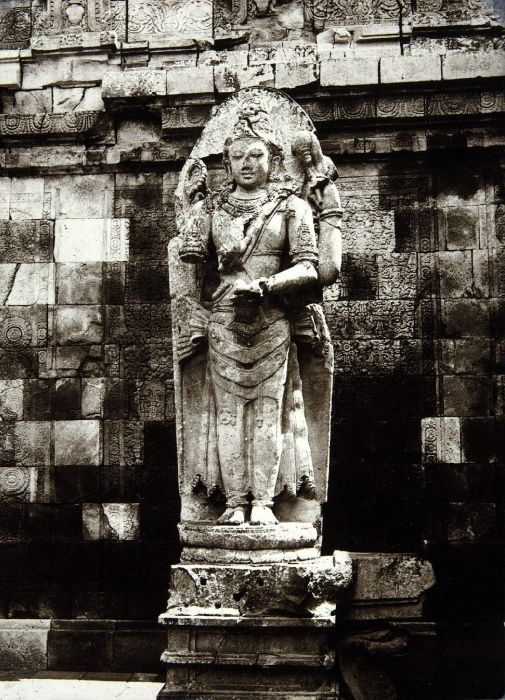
15	24
177	18
321	14
13	126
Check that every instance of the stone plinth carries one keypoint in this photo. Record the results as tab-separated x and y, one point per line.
263	629
223	657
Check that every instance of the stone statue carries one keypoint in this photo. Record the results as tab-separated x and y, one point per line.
255	254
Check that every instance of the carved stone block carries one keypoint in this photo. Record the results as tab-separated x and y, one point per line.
441	440
322	14
22	327
232	78
123	443
397	275
32	443
173	18
110	521
27	284
15	24
26	241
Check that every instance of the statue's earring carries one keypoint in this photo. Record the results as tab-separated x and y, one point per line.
229	183
275	174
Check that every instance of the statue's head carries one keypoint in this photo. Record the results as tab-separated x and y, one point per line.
252	153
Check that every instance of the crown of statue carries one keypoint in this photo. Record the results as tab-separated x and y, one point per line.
253	121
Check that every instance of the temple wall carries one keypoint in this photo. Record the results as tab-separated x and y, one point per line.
93	134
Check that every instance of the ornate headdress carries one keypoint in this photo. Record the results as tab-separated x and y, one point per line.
253	121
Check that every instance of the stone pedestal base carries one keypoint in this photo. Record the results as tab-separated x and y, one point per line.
254	630
265	657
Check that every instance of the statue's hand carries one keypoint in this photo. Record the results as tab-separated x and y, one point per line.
325	196
254	289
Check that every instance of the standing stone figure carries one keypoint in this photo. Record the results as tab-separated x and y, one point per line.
261	246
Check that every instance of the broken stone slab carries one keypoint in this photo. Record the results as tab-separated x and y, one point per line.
292	75
27	284
110	521
389	586
310	588
410	69
65	70
77	99
232	78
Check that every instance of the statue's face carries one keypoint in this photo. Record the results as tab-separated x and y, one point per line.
250	163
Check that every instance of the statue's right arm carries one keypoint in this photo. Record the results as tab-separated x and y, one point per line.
195	234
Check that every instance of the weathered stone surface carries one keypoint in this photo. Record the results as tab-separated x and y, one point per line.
186	80
27	284
80	196
77	442
410	69
77	99
77	324
134	83
292	75
27	198
311	588
459	65
389	585
110	521
10	69
172	18
23	644
90	240
350	70
441	440
232	78
292	653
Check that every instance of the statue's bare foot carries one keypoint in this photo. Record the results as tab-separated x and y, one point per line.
233	516
262	515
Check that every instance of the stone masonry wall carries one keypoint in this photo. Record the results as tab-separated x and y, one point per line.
93	134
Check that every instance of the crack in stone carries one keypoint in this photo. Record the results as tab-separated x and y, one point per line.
10	286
